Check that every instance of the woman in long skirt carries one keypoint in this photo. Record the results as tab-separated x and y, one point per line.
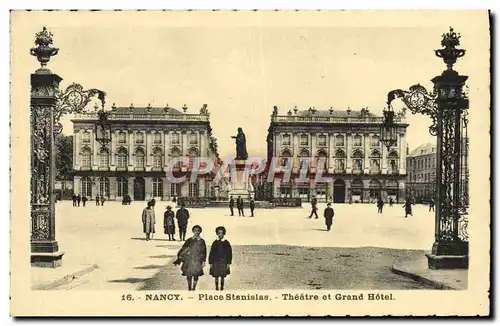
148	221
192	255
168	223
220	258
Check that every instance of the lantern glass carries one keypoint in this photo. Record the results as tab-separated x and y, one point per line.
103	133
388	135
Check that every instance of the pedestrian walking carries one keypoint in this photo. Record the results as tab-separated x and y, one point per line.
239	205
231	205
148	221
431	205
84	200
328	214
97	200
192	255
174	200
380	205
407	207
252	206
78	199
220	258
391	201
314	207
169	223
182	217
103	200
73	198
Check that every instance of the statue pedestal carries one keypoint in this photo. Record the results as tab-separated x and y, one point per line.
239	181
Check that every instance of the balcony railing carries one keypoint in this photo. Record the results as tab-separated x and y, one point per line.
339	171
329	119
121	168
154	117
85	168
104	168
157	169
357	171
139	168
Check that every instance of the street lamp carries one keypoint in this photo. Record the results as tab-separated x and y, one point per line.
47	105
102	127
447	106
388	129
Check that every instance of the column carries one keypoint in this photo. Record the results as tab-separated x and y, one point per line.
331	152
384	159
130	150
295	144
184	142
166	189
130	185
114	140
94	148
148	185
44	247
201	186
76	149
402	153
348	140
313	142
166	157
77	184
203	143
112	188
149	146
366	153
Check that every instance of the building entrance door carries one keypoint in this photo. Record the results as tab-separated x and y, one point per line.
339	191
139	189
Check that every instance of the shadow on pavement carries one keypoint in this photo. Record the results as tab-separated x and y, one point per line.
131	280
149	267
320	229
162	256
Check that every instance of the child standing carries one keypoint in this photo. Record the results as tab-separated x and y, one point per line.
192	256
220	258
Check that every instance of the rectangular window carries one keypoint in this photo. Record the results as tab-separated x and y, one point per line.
122	138
339	141
286	139
175	190
193	139
286	192
86	137
304	140
157	138
175	138
139	138
193	190
322	140
375	141
358	141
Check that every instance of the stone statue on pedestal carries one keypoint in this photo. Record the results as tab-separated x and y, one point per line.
241	145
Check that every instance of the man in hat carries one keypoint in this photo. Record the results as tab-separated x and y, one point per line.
182	221
168	223
231	205
328	216
314	207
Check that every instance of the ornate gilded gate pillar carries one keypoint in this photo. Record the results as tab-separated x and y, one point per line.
44	89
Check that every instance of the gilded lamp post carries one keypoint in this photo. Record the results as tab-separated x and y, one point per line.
48	104
447	106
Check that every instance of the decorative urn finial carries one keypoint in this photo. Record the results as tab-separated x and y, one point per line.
113	106
295	109
450	53
149	107
43	51
331	110
184	108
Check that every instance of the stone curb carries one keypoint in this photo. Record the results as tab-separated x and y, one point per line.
424	280
64	280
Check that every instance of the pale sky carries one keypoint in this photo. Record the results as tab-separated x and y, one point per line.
242	71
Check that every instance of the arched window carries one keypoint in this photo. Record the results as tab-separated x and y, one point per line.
104	159
357	161
122	186
86	159
285	157
358	140
139	158
304	140
339	141
393	162
322	158
104	187
375	162
157	187
175	153
339	161
304	158
157	159
87	187
193	189
321	140
122	159
193	154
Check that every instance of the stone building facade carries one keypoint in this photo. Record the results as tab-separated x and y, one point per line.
359	166
421	168
144	141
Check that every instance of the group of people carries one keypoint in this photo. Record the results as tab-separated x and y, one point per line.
149	221
328	214
99	200
240	206
77	199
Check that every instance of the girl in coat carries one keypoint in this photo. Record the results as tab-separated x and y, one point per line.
168	223
148	221
192	256
407	207
220	258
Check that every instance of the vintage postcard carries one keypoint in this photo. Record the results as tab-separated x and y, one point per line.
250	163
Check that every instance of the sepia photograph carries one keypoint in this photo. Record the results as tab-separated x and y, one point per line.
250	163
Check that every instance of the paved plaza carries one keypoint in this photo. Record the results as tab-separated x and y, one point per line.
276	249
